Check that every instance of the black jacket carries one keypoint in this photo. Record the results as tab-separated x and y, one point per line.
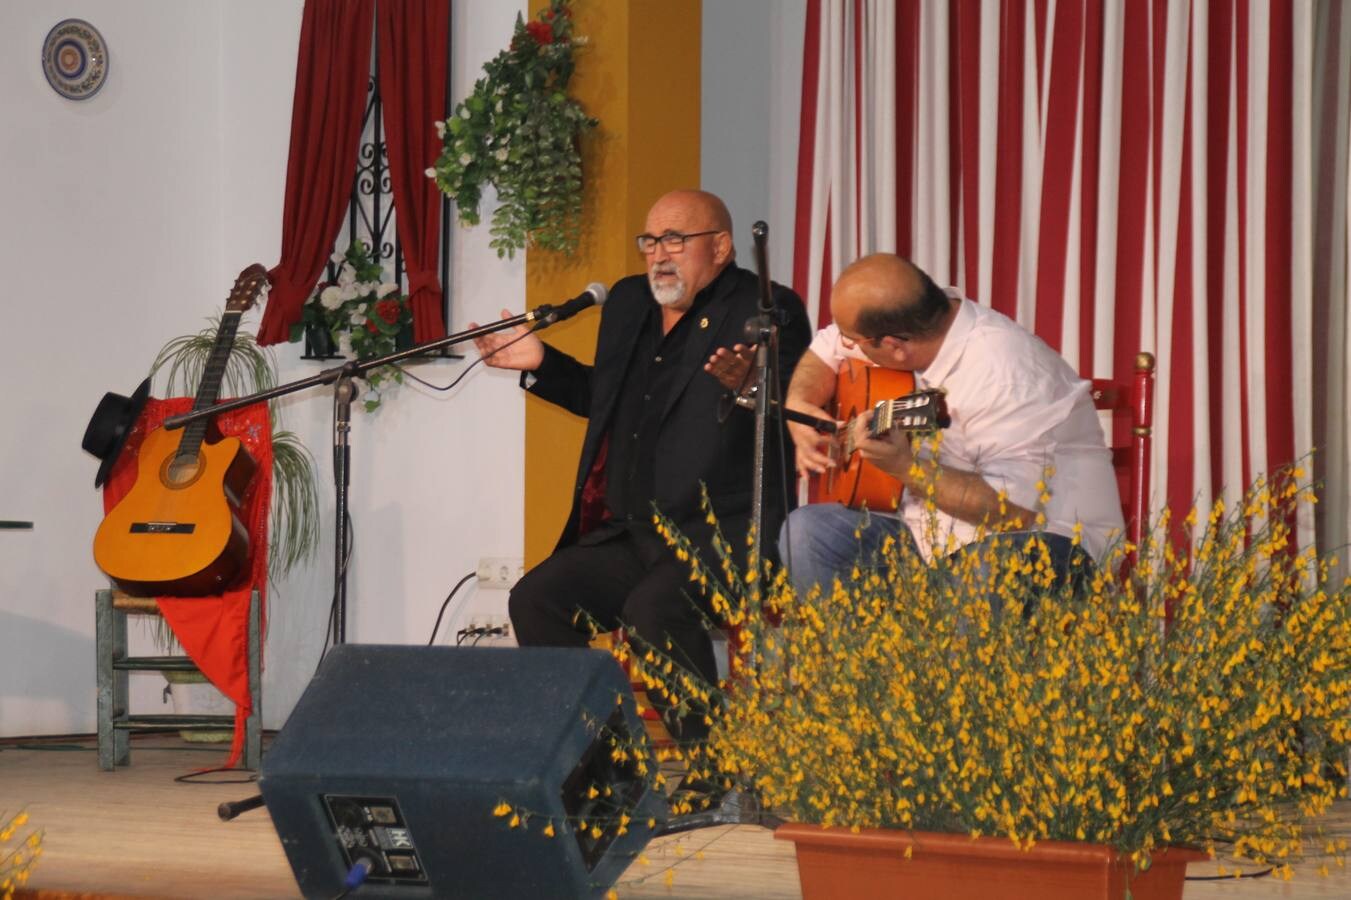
693	446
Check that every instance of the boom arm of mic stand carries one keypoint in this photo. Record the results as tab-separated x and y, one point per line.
355	367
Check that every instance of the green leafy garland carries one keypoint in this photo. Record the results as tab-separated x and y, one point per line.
519	131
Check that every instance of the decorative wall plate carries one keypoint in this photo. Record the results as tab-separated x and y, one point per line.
75	59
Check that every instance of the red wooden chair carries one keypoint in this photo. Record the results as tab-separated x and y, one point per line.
1131	402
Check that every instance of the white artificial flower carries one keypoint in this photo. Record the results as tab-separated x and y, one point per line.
337	258
440	129
429	172
347	275
501	155
331	297
464	113
348	291
345	344
499	105
385	290
358	318
465	159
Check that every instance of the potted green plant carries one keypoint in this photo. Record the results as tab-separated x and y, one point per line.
361	315
519	131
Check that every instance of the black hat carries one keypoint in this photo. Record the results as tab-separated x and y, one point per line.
111	423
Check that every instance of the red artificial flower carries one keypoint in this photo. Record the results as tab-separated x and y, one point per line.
389	310
541	32
372	327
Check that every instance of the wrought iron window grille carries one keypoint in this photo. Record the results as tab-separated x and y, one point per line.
372	218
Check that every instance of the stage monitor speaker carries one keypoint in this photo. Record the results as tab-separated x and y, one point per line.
399	755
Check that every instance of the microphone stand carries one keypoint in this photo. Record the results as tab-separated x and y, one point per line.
764	332
344	392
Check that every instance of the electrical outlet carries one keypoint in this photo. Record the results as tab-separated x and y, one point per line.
484	629
499	572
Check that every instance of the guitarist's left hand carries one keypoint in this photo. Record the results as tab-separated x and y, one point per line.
890	453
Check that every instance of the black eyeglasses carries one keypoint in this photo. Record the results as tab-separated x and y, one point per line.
851	343
673	241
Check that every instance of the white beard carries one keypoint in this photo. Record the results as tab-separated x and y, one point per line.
669	294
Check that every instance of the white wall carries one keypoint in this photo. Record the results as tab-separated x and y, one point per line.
124	221
125	218
752	87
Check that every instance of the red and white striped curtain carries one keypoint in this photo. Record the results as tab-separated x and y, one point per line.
1117	175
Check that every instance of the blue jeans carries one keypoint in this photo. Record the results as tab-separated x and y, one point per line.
824	541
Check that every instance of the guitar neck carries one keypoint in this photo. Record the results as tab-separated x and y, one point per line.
213	375
921	412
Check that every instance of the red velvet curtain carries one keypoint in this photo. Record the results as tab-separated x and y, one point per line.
412	35
331	72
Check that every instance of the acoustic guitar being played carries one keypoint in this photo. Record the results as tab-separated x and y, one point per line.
178	531
863	390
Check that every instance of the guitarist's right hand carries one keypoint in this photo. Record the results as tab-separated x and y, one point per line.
812	446
511	348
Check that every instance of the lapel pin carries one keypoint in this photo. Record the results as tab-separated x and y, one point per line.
703	323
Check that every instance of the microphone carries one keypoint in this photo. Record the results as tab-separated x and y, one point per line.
760	235
594	295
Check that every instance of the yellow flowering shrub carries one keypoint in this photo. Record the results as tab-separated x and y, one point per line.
19	852
1202	699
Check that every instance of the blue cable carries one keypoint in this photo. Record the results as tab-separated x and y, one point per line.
357	874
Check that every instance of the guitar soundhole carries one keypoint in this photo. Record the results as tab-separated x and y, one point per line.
181	471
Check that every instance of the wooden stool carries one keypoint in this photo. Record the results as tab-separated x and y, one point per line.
112	665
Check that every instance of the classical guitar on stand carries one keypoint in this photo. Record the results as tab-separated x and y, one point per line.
854	481
178	531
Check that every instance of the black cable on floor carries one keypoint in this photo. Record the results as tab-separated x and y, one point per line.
193	777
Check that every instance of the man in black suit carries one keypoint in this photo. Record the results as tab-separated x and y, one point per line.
653	437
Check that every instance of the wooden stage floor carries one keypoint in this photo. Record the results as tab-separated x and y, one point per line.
138	833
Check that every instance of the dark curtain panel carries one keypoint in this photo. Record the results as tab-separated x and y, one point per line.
413	58
331	73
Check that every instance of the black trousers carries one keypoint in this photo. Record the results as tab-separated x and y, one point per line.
632	579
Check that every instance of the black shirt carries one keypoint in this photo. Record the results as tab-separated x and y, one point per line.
635	429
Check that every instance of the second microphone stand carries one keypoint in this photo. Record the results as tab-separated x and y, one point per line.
763	330
344	392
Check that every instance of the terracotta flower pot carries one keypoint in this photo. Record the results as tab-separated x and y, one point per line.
837	863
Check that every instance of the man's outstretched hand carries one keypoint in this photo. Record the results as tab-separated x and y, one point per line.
730	365
510	348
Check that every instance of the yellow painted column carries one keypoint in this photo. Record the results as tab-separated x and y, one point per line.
639	75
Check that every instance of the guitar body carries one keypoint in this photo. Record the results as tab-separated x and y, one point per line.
854	481
178	531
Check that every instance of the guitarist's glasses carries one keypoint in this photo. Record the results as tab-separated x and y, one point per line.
851	343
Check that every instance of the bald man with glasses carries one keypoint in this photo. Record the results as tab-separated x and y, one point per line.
653	438
1025	453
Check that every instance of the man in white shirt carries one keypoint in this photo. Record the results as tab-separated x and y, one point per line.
1024	453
